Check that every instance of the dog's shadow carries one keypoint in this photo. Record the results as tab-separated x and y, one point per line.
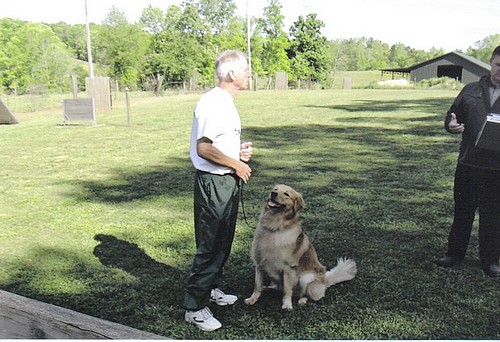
153	275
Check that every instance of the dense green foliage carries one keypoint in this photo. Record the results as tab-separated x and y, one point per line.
99	220
31	55
180	44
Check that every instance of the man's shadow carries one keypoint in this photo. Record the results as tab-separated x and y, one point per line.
155	277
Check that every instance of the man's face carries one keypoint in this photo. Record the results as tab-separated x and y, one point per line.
495	70
241	78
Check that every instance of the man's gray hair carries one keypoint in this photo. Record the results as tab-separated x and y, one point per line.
230	60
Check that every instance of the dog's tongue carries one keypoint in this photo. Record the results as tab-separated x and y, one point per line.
271	204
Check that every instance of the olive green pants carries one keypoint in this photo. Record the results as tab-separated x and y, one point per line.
216	201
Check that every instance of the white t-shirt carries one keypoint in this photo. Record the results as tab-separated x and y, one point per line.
216	118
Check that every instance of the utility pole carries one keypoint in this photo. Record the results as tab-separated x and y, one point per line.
89	49
249	50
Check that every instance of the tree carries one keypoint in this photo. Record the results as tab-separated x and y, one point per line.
484	48
377	54
216	14
308	50
400	56
33	58
10	53
182	42
153	20
234	38
73	36
276	43
175	50
272	21
125	46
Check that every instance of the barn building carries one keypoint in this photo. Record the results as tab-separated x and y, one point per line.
455	65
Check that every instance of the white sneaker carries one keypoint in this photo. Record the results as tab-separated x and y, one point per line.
222	299
203	319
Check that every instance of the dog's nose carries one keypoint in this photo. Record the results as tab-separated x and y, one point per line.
274	194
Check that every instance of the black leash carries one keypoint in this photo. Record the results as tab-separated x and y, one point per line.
243	206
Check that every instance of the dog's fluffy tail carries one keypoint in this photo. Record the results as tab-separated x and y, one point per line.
345	270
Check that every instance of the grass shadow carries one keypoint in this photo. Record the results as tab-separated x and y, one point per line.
437	105
127	256
129	185
129	288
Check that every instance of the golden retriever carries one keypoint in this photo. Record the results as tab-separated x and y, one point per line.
282	253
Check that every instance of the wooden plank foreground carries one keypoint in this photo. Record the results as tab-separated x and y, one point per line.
24	318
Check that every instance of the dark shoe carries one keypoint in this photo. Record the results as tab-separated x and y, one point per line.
447	261
492	270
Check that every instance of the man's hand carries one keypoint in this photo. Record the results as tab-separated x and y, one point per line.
243	171
206	150
454	126
246	151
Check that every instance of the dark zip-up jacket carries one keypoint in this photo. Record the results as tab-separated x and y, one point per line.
471	107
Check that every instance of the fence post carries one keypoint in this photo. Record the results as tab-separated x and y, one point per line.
127	104
347	83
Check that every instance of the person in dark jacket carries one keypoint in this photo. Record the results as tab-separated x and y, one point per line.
477	175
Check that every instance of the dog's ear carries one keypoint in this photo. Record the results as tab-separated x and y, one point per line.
299	203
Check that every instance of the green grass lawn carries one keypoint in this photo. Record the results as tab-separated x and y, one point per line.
99	219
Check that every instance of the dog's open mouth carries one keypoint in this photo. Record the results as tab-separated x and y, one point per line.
271	203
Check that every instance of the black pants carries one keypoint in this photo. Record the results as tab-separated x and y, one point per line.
216	201
476	189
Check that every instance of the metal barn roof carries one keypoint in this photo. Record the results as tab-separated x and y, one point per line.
461	59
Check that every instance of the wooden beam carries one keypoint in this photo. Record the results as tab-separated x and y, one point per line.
24	318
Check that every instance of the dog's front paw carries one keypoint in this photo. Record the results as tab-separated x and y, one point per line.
251	300
287	305
303	301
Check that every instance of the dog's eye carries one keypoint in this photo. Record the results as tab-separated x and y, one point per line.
287	194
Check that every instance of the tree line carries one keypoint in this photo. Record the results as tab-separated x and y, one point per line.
181	43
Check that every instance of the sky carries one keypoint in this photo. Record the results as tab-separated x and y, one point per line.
420	24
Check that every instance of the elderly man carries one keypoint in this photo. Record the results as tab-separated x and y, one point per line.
221	163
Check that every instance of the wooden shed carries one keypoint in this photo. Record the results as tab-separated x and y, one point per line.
455	65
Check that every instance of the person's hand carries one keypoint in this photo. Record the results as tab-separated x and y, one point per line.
454	126
243	171
246	151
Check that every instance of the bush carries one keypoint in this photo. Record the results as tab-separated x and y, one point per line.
440	83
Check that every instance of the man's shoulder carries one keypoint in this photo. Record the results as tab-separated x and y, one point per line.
214	94
206	99
472	87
